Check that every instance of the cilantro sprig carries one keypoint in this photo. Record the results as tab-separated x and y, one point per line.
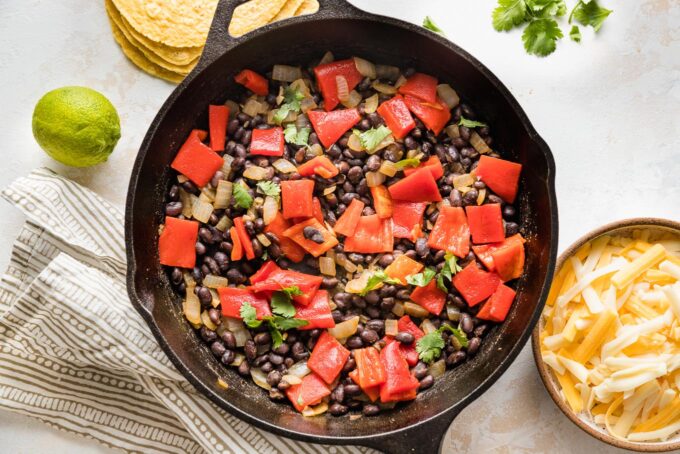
377	278
291	103
276	323
422	279
450	268
241	196
408	162
429	24
589	14
470	123
430	346
269	188
370	139
296	136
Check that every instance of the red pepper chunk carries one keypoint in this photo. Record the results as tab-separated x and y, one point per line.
267	269
177	243
237	249
372	392
417	187
451	232
475	284
267	142
296	233
232	298
279	279
509	261
218	116
409	351
434	116
328	357
433	164
430	297
370	372
500	175
243	236
330	126
318	212
290	248
326	80
397	117
485	251
421	86
253	82
402	267
317	313
398	378
197	161
310	392
372	235
497	307
382	202
319	165
486	223
296	198
407	219
347	223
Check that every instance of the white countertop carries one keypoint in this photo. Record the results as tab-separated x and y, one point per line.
609	108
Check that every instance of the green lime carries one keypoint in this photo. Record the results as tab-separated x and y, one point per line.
77	126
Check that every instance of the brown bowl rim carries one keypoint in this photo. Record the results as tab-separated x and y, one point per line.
546	375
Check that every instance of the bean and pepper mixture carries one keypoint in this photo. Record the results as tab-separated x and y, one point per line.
342	233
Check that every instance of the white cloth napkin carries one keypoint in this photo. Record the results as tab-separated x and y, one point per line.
76	355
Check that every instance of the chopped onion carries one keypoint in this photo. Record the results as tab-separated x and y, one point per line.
345	329
226	165
354	143
391	327
316	410
327	266
384	88
192	307
284	166
371	104
181	178
252	107
398	309
308	104
238	359
213	281
437	369
329	190
270	209
452	131
365	68
388	168
188	279
187	203
201	211
448	95
386	142
452	312
260	378
342	87
223	224
256	173
327	58
374	179
215	298
316	150
401	81
234	108
264	241
299	369
302	122
205	197
285	73
301	86
353	100
387	72
205	319
350	267
479	144
481	196
427	326
415	310
462	181
291	379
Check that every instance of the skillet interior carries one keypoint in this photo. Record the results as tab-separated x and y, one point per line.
389	42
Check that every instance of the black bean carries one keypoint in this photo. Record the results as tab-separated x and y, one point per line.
262	338
283	385
337	409
480	330
173	208
386	304
288	362
218	348
426	382
511	228
329	283
372	297
386	260
191	188
258	249
420	370
369	336
349	366
455	358
421	247
235	276
200	248
228	357
176	276
404	337
508	211
226	247
244	369
282	349
215	316
208	335
352	390
337	316
355	342
370	410
250	350
273	378
267	367
299	352
355	174
470	197
466	323
388	291
173	192
473	346
338	394
204	295
229	339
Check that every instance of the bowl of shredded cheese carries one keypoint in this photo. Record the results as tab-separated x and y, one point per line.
608	342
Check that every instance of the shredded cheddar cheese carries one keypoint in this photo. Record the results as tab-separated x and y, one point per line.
610	333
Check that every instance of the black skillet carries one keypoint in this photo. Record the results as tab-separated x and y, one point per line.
418	426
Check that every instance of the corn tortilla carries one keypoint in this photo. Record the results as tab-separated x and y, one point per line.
253	14
307	7
176	23
288	10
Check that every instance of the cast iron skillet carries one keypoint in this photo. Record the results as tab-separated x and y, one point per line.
420	425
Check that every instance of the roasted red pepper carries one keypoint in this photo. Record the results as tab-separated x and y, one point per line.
231	299
244	237
218	116
177	243
501	176
372	392
347	223
433	164
290	248
253	82
430	297
372	235
398	378
279	279
296	197
267	269
237	248
417	187
319	165
267	142
405	324
369	369
397	117
407	219
485	251
317	313
486	223
497	307
421	86
330	126
451	232
296	233
475	284
509	261
326	80
382	202
310	392
402	267
316	209
197	161
434	116
328	357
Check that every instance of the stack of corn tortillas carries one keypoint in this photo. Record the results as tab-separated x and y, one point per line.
165	38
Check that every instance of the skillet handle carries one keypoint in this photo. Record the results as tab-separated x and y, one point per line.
220	41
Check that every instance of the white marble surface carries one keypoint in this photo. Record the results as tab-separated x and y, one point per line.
609	108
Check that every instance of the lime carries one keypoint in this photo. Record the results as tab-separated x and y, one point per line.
77	126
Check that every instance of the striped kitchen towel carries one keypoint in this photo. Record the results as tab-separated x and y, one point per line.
76	355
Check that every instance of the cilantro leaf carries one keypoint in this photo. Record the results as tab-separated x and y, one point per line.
575	34
295	136
457	333
291	291
371	138
291	102
269	188
546	8
277	337
376	279
409	162
430	346
540	37
249	315
422	279
282	305
441	283
284	324
590	13
241	196
430	25
470	123
449	269
508	14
